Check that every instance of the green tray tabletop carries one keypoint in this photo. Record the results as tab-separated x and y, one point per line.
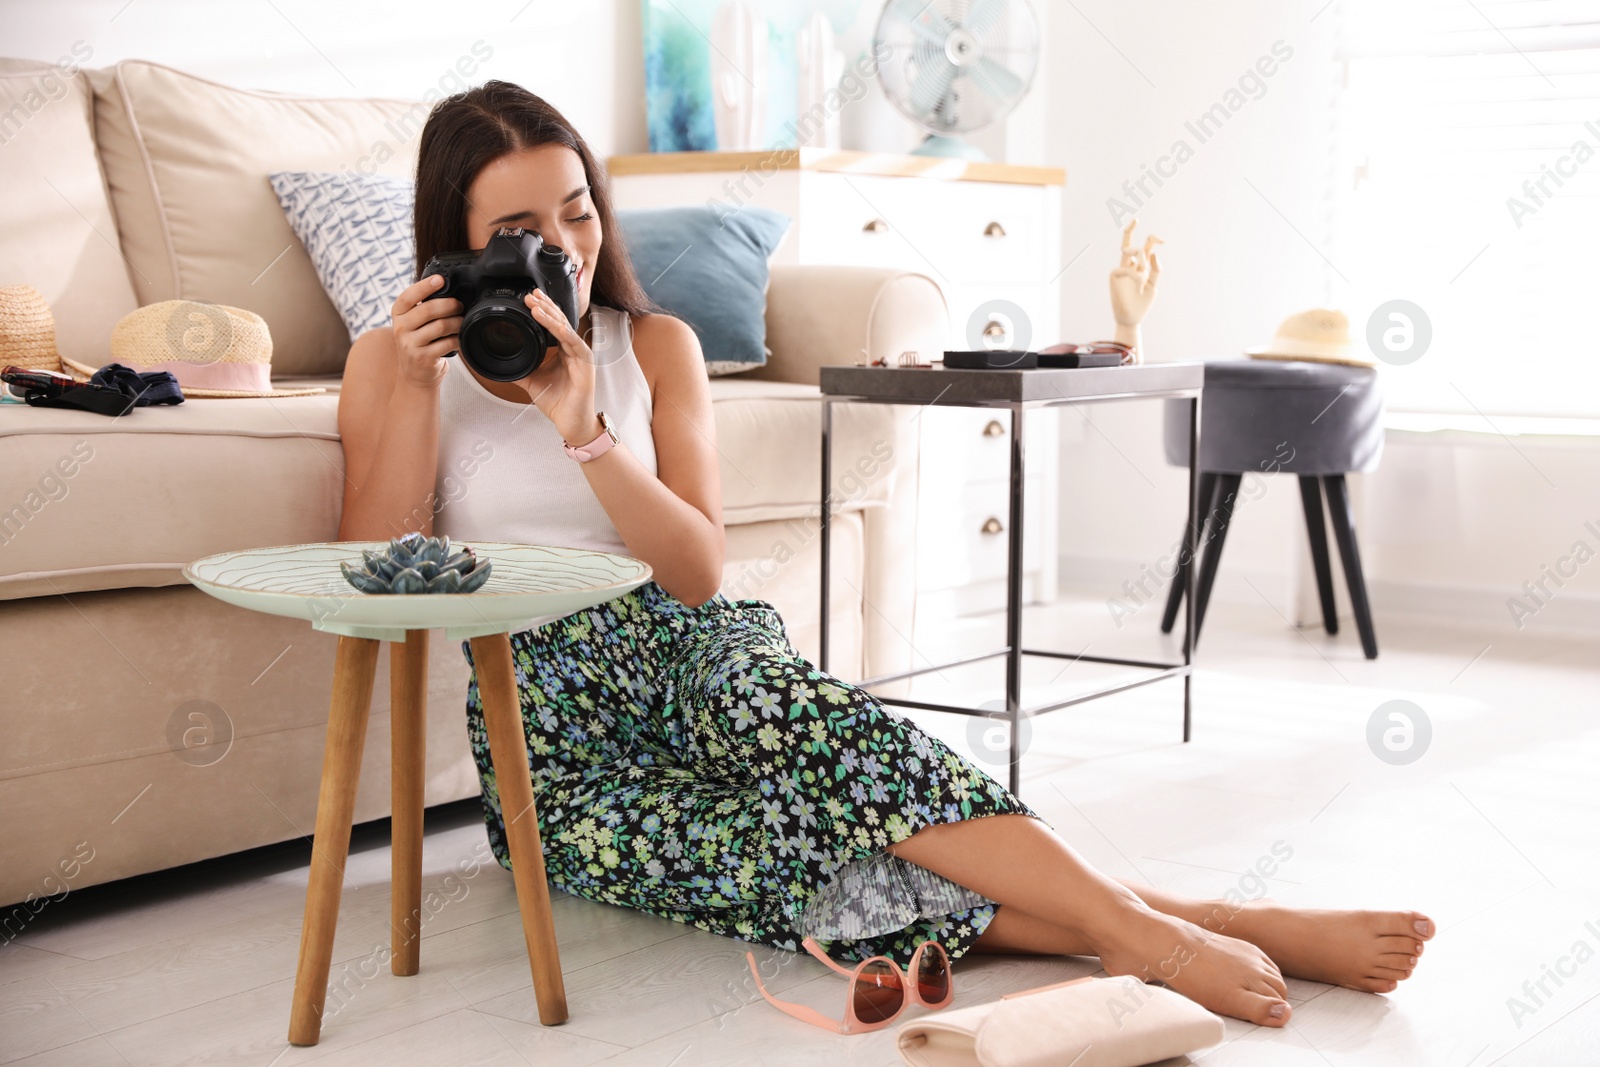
527	582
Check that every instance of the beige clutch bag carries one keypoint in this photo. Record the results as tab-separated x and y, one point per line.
1087	1022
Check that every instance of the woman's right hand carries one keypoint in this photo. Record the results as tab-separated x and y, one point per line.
425	331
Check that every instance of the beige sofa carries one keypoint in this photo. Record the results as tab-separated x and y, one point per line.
137	183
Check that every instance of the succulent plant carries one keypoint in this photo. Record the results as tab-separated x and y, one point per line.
417	564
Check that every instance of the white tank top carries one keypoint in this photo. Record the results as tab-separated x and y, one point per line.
502	473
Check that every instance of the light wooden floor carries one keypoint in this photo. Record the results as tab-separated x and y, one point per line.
1495	832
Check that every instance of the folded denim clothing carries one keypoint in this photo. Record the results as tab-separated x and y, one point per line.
100	399
149	387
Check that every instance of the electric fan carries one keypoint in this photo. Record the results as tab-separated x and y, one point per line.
956	65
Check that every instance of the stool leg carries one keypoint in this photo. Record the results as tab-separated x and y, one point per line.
508	751
1216	524
1317	530
408	700
1344	532
1208	482
355	664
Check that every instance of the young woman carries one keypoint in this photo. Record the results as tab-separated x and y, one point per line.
686	760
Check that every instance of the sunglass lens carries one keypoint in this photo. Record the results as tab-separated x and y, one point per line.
878	993
933	974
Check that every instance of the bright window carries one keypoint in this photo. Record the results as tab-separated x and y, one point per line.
1467	181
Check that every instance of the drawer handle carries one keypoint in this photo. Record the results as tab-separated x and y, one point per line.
991	525
994	429
875	226
994	229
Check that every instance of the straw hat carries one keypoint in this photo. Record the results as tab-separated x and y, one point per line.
212	349
1321	335
27	330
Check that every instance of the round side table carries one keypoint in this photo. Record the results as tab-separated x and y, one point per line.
527	582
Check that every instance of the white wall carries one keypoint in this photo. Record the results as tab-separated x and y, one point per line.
1451	523
586	58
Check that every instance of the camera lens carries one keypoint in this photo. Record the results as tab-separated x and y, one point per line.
501	339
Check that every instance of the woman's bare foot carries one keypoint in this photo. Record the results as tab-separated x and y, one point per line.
1368	950
1220	973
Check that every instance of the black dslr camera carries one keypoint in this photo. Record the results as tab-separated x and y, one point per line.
499	336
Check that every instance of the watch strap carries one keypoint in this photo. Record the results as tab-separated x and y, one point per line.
602	444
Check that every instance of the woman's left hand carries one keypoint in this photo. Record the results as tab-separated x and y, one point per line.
563	386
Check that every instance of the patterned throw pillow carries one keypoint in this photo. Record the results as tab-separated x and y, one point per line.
357	230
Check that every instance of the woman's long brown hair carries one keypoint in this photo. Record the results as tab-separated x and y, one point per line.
466	132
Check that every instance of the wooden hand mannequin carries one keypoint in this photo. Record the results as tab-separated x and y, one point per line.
1133	287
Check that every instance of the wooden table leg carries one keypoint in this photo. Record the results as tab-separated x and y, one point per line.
508	749
408	701
355	665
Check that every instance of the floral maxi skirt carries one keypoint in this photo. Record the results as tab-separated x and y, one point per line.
689	763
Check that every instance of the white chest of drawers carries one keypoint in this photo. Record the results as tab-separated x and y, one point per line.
989	235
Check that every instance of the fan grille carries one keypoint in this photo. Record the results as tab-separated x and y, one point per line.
957	65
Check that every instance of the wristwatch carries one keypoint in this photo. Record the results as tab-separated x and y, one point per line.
598	447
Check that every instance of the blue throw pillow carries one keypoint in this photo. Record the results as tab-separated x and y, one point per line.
357	230
709	268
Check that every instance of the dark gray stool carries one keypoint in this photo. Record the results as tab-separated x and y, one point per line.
1319	421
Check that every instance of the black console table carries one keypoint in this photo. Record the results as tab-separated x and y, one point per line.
1019	390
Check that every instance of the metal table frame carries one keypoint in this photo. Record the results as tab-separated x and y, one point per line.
1013	649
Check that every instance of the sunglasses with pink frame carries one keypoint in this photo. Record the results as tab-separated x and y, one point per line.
877	985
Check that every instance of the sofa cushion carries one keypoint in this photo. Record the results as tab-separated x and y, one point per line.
89	502
187	160
80	508
358	231
57	232
709	269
